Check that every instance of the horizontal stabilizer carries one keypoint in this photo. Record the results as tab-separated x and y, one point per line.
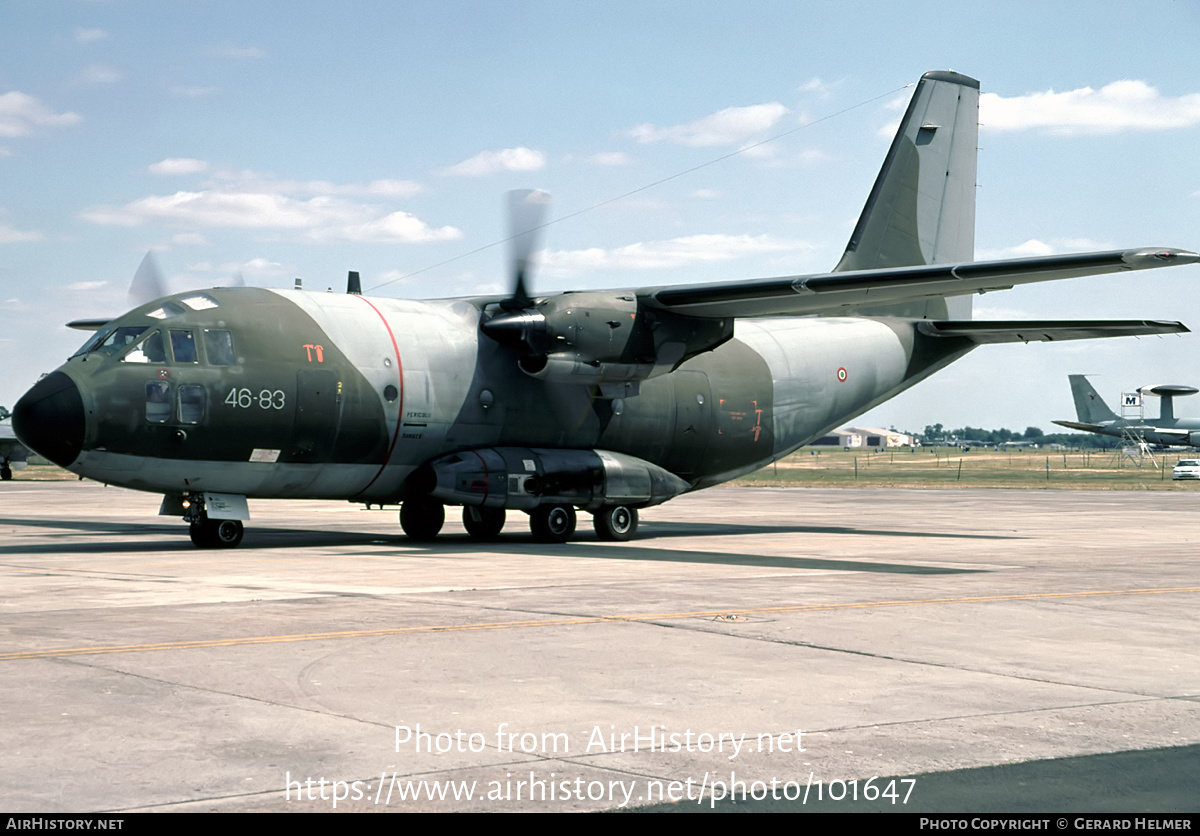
1087	428
982	331
826	293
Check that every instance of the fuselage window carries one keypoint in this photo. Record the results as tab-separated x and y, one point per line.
191	404
183	346
219	346
149	350
158	401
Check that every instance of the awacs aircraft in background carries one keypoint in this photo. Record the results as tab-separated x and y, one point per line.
1166	430
606	401
12	453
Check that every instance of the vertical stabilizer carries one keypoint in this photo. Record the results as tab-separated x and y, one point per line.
921	209
1089	406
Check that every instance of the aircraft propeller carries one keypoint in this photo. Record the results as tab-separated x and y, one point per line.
521	324
147	284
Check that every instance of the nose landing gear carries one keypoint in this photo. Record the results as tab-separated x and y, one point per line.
216	534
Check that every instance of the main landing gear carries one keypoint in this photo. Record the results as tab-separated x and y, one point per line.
422	519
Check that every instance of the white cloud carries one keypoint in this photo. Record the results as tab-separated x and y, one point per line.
399	227
675	252
99	74
86	285
506	159
821	89
731	126
193	92
178	165
11	235
21	114
1119	106
189	239
87	36
1035	247
230	50
610	158
326	217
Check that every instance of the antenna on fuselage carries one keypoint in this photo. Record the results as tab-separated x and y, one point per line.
353	284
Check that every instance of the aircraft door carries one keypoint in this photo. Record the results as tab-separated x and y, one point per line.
318	415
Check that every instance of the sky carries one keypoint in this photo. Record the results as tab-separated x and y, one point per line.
310	138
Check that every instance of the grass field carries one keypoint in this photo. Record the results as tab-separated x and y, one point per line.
949	467
926	467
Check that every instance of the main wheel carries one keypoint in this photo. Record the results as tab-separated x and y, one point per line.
422	519
552	523
616	522
5	472
483	523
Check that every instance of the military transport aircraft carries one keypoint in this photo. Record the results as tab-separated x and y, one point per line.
1166	430
12	453
606	401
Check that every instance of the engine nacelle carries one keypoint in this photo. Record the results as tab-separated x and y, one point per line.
1194	439
523	478
604	340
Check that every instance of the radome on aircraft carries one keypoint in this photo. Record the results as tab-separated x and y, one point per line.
1166	430
606	401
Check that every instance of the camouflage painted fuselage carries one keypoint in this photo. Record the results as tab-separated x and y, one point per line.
344	396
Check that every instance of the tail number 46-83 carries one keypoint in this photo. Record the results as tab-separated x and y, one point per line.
267	398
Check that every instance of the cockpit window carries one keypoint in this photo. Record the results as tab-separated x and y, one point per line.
149	350
183	346
112	341
199	302
219	347
167	310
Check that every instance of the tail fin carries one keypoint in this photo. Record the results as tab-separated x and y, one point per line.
922	207
1089	407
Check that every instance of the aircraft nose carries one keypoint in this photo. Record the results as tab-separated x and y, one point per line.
49	419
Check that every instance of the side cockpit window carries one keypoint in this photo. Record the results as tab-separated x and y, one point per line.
109	343
149	350
183	346
218	345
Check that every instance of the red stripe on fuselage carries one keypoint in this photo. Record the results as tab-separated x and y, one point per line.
400	379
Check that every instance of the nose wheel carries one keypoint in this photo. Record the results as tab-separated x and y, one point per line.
216	534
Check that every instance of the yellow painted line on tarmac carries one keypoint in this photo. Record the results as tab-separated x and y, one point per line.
566	622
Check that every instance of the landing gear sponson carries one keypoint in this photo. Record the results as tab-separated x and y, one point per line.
422	519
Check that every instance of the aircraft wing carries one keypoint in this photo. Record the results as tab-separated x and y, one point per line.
981	331
826	293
